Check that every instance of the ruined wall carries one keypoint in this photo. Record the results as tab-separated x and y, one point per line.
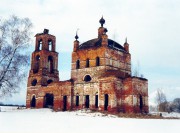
118	60
134	88
58	89
82	55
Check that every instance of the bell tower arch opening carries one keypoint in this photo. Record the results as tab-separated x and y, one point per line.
39	47
50	64
50	44
36	64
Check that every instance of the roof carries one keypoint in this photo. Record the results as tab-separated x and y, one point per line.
97	43
45	32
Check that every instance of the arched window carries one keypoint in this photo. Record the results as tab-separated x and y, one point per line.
97	61
77	64
40	44
140	102
77	100
36	64
96	100
49	81
50	44
87	78
87	62
34	82
50	64
106	101
37	58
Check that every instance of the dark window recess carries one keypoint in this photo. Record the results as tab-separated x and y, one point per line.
34	82
87	78
49	81
50	64
36	64
96	101
87	62
77	100
87	101
64	103
140	102
77	64
97	61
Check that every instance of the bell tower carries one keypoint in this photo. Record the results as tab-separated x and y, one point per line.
44	61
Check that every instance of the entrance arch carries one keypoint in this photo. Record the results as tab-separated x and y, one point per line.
33	102
48	100
106	100
64	103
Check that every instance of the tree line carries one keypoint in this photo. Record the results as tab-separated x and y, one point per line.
166	106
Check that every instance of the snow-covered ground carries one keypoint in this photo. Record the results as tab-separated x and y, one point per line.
46	121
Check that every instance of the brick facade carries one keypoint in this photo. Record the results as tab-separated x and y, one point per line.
100	77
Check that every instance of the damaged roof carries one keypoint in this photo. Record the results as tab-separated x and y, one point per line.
97	43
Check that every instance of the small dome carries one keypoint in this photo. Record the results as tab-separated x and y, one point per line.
76	37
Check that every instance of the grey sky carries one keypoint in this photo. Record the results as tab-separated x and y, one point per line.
151	26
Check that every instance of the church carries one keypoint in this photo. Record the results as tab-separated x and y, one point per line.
101	77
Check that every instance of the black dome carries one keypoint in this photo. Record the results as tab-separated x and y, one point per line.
97	43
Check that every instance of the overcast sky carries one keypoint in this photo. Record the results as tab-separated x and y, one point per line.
151	26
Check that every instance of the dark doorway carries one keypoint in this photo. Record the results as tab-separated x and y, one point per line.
96	101
48	100
64	103
33	102
105	101
140	102
77	100
87	101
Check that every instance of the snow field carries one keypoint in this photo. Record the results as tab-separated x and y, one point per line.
46	121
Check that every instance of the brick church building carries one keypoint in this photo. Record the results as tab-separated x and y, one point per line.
100	77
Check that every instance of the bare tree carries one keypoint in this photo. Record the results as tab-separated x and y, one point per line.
161	100
14	40
176	105
136	71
